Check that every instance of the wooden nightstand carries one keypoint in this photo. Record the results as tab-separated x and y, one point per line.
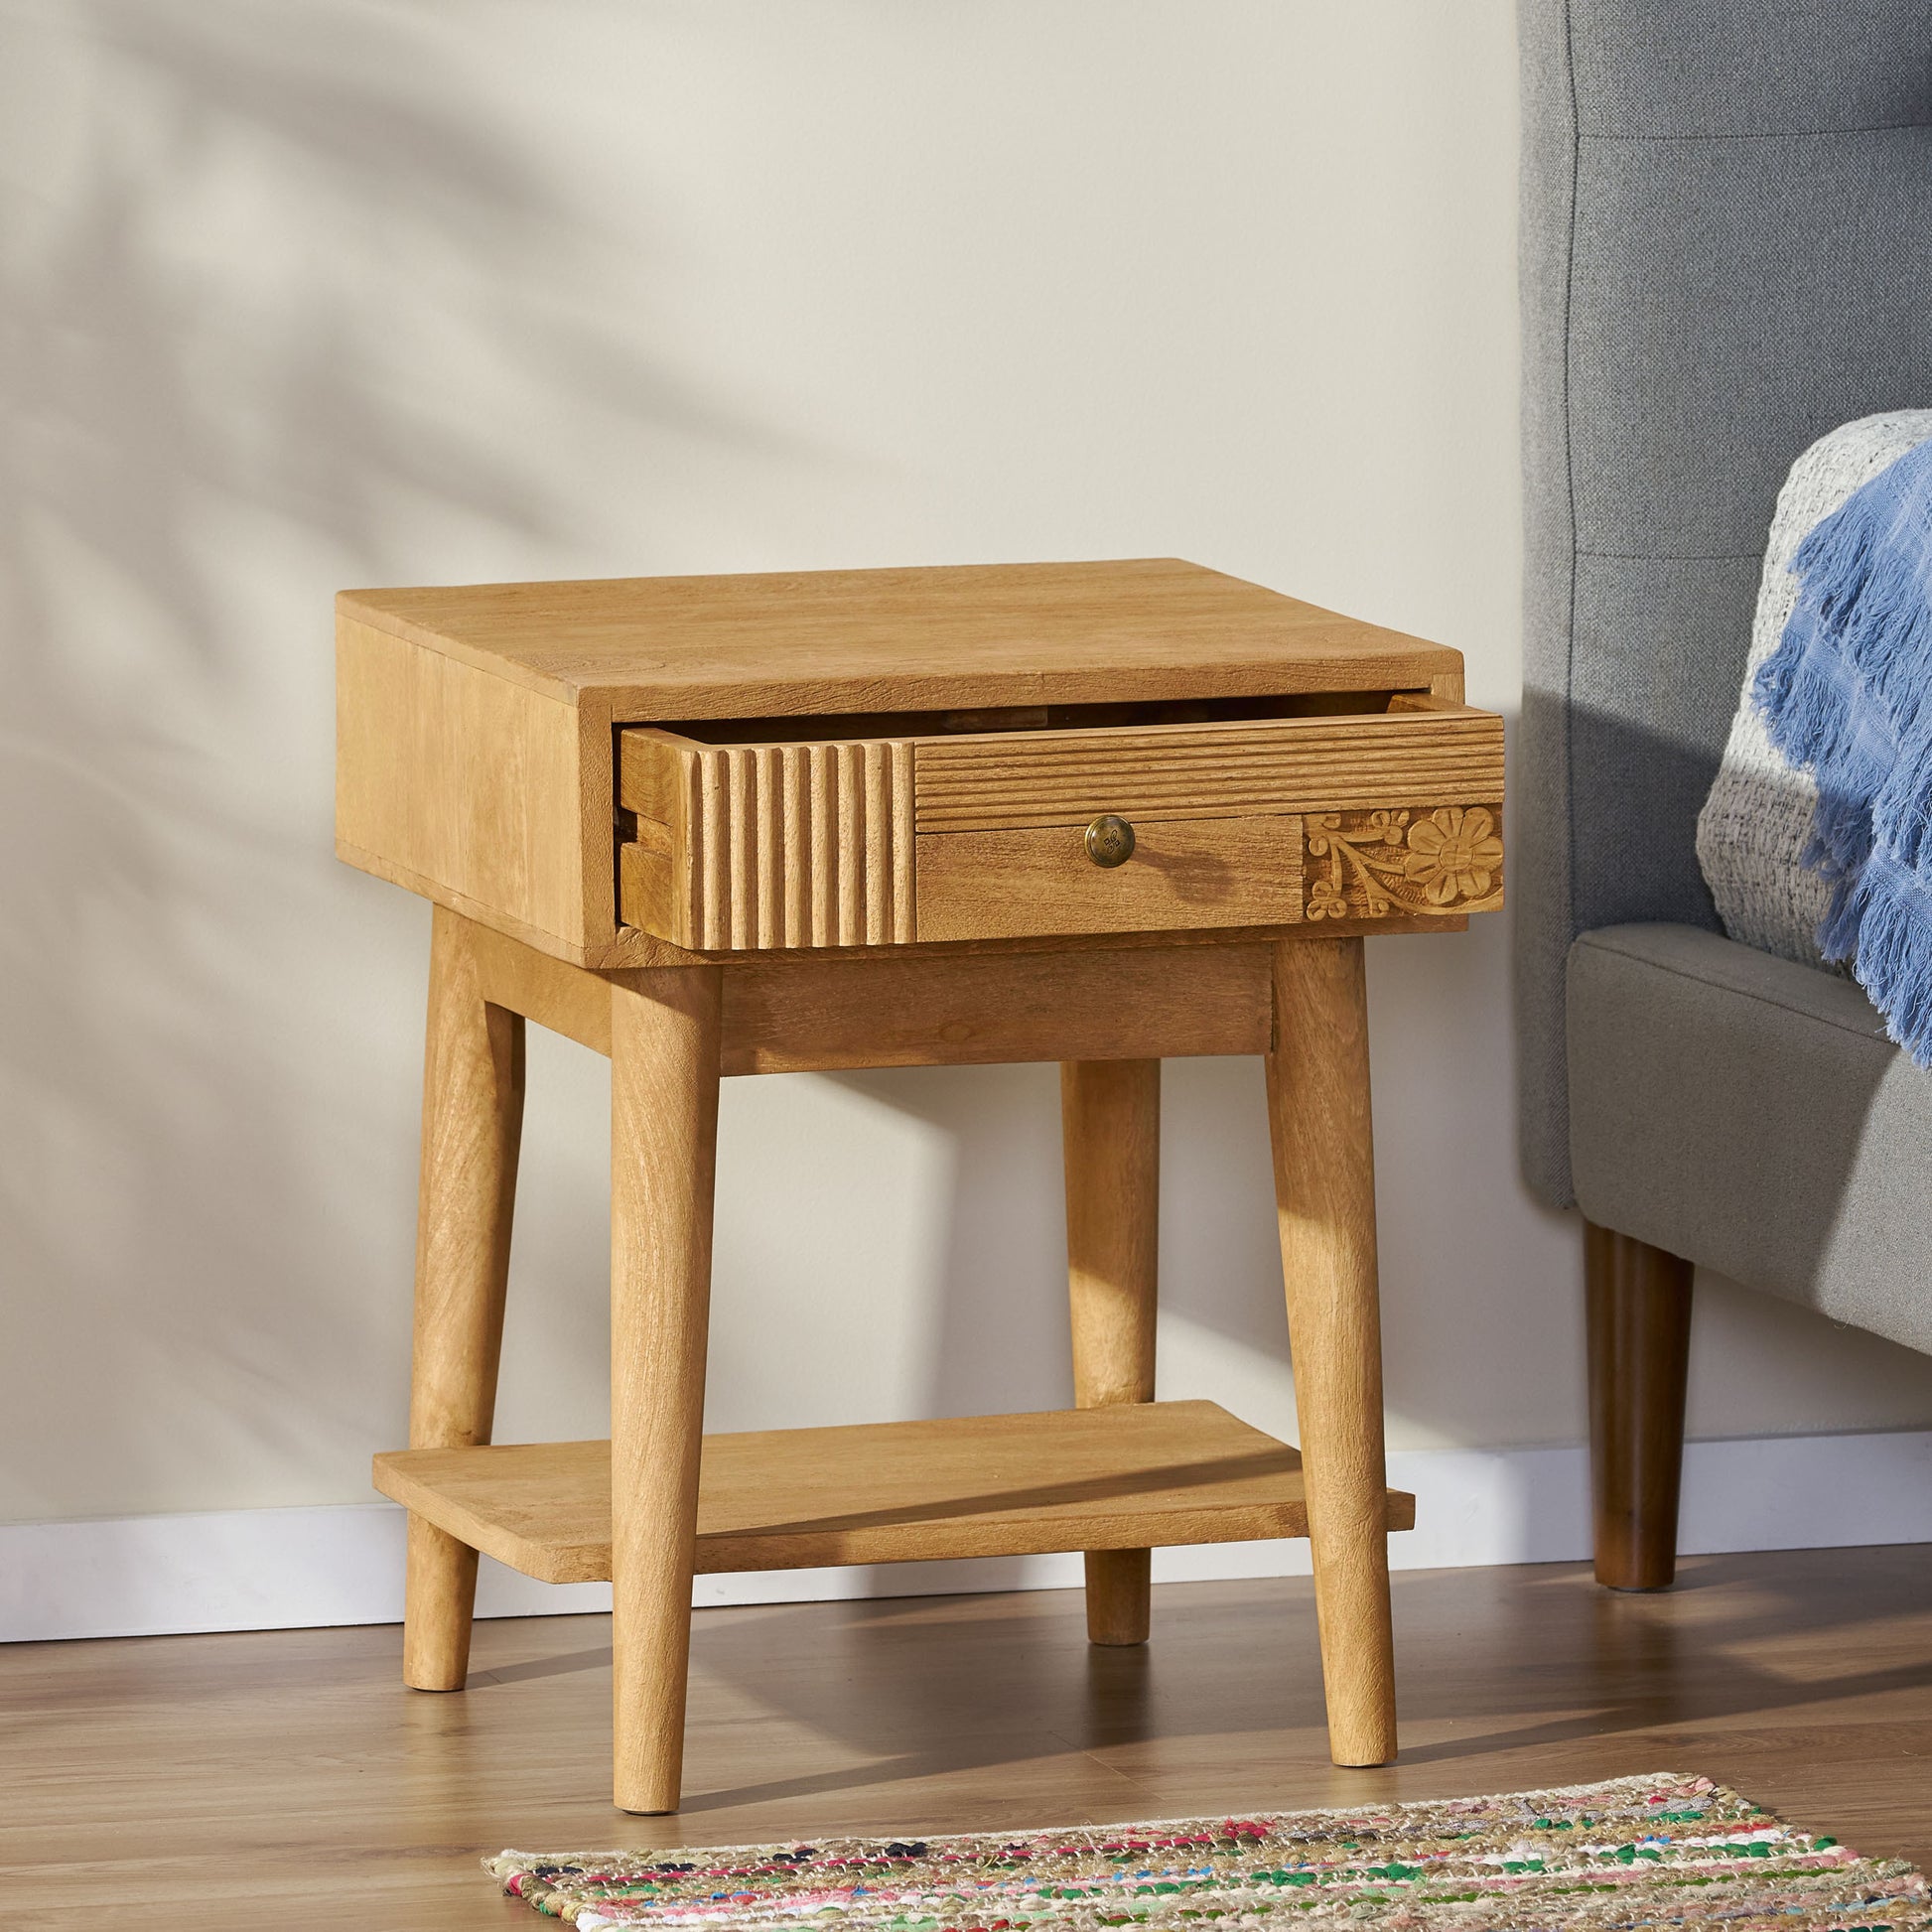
1095	813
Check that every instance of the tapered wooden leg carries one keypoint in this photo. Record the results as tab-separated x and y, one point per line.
1638	1302
1325	1192
472	1121
1110	1119
663	1157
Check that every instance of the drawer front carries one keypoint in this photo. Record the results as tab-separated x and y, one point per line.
747	846
887	841
1185	874
1286	764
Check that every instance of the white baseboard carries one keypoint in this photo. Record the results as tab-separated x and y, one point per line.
293	1569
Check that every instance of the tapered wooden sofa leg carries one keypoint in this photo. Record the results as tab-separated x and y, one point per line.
1639	1314
1324	1190
472	1121
665	1048
1110	1119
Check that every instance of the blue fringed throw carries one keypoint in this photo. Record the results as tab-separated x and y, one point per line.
1848	696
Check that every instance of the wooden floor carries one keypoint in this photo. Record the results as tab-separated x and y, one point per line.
286	1779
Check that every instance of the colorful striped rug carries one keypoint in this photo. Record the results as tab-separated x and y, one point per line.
1650	1852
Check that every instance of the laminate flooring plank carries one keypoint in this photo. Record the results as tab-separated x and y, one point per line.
286	1778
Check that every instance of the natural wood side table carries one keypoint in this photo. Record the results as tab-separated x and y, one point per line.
1094	813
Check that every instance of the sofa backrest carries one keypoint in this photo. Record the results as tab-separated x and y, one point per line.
1726	250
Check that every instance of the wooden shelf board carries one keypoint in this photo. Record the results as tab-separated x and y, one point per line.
1137	1477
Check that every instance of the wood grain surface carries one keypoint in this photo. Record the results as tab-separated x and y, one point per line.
567	999
449	774
1126	1477
472	1120
663	1166
1324	1191
1110	1130
768	845
1638	1322
284	1779
1238	771
930	1010
655	649
1209	873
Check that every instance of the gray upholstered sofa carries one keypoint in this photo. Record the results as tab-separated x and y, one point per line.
1728	250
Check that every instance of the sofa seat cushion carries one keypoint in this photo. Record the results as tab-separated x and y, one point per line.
1749	1114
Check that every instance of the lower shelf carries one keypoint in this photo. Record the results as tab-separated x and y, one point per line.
1137	1477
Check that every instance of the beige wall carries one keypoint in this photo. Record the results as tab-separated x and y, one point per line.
305	293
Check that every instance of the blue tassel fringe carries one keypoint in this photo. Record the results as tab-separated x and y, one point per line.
1848	696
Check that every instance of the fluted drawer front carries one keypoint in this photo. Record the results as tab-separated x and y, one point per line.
779	846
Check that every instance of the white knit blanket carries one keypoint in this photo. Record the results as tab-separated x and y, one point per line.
1756	823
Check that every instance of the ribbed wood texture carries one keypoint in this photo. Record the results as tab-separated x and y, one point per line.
794	845
1286	764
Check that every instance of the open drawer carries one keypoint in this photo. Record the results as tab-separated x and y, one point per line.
880	830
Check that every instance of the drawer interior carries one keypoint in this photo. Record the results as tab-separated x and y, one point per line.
821	727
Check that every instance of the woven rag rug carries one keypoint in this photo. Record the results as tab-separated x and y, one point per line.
1652	1852
1846	696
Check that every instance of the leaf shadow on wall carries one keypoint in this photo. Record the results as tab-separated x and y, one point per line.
272	281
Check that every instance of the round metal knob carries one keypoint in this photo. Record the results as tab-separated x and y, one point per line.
1110	841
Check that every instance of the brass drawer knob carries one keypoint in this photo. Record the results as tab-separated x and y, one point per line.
1110	841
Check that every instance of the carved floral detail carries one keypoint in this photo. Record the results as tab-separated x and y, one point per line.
1438	861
